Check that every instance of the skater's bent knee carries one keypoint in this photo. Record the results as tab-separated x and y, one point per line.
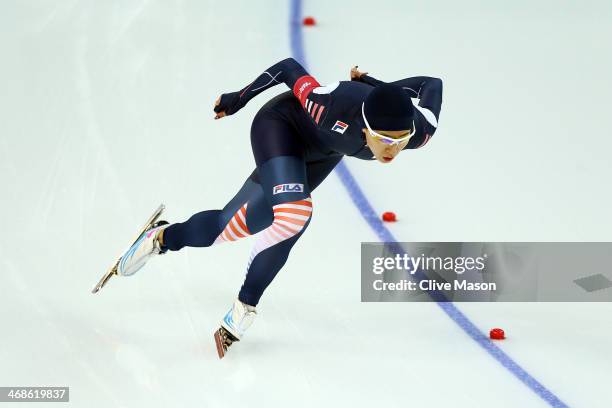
291	217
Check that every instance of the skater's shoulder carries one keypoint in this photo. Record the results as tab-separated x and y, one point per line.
353	89
343	97
343	89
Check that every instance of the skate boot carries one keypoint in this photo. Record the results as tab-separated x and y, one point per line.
237	320
145	247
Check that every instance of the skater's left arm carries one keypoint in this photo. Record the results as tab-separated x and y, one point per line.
287	71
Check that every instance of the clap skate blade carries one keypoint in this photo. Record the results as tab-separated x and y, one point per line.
113	270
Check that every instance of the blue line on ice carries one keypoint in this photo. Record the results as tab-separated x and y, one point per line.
371	217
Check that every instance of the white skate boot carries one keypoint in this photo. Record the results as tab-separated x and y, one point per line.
233	326
139	253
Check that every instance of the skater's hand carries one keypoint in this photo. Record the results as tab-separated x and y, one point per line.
220	113
227	104
356	74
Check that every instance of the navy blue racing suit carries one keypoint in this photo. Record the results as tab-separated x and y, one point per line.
297	138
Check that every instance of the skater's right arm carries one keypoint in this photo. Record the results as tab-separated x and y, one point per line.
287	71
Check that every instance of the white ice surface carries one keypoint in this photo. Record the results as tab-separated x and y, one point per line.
106	111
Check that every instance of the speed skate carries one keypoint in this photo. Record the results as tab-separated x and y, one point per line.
151	223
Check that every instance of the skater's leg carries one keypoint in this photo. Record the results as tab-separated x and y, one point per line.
281	171
286	182
215	226
292	213
279	154
247	213
200	230
292	209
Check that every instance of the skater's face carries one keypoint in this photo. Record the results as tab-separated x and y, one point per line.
384	152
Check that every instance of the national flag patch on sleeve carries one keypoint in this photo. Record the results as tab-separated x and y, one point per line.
339	127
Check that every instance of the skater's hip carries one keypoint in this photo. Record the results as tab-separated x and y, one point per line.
281	128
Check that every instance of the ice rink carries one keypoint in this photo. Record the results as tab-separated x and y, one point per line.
106	111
